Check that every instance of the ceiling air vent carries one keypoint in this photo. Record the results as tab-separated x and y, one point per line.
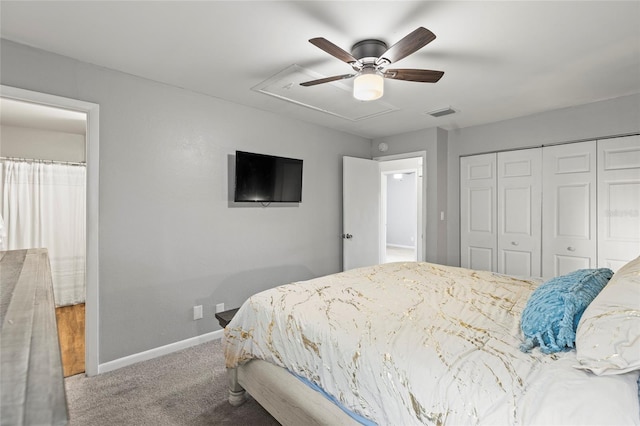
442	112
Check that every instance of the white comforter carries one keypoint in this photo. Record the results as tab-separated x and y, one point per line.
419	343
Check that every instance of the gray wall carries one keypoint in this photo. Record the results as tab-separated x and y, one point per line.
434	142
586	122
607	118
169	237
401	210
41	144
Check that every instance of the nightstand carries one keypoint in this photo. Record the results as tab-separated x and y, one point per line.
225	317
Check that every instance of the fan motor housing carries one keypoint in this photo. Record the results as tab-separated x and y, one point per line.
370	48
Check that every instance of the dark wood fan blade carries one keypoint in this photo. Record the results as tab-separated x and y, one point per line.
333	50
421	76
412	42
326	80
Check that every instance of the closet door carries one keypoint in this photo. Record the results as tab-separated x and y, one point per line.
618	201
478	244
569	208
520	212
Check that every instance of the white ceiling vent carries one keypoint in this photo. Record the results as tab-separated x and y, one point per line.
442	112
332	98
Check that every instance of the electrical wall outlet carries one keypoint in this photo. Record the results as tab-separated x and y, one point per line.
197	312
219	307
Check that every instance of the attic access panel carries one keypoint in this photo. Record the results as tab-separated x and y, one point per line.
333	98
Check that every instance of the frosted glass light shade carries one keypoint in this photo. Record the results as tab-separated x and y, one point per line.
368	86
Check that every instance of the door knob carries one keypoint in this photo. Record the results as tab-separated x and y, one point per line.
571	248
347	236
514	243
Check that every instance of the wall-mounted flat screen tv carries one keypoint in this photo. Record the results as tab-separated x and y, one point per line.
267	178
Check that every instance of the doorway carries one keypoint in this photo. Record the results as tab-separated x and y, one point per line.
401	225
91	112
43	182
399	212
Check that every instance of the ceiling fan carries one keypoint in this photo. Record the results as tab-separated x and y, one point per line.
369	59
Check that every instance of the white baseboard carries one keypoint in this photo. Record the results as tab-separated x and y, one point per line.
156	352
401	246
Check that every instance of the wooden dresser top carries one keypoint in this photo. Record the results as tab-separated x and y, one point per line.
31	381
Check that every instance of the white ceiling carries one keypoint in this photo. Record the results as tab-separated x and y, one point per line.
501	59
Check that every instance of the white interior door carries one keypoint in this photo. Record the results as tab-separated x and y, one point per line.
478	242
569	208
361	212
618	201
520	212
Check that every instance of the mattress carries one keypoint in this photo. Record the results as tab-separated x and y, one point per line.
420	343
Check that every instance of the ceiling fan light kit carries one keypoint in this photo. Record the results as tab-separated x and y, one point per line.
368	85
369	59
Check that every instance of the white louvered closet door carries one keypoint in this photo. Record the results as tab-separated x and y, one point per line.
618	201
569	208
520	212
478	216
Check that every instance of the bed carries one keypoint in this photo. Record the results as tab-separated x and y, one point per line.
420	343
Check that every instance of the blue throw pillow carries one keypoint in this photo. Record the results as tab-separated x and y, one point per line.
552	313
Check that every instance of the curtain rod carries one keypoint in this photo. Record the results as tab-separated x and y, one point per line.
34	160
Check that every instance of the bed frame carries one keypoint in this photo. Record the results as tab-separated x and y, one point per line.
285	397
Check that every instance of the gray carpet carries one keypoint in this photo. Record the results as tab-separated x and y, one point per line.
188	387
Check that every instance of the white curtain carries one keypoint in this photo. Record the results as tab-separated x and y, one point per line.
43	205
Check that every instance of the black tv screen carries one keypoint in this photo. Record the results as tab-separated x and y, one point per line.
267	178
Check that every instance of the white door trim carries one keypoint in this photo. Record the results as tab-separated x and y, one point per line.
92	146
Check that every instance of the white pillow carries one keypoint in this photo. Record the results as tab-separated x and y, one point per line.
608	336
